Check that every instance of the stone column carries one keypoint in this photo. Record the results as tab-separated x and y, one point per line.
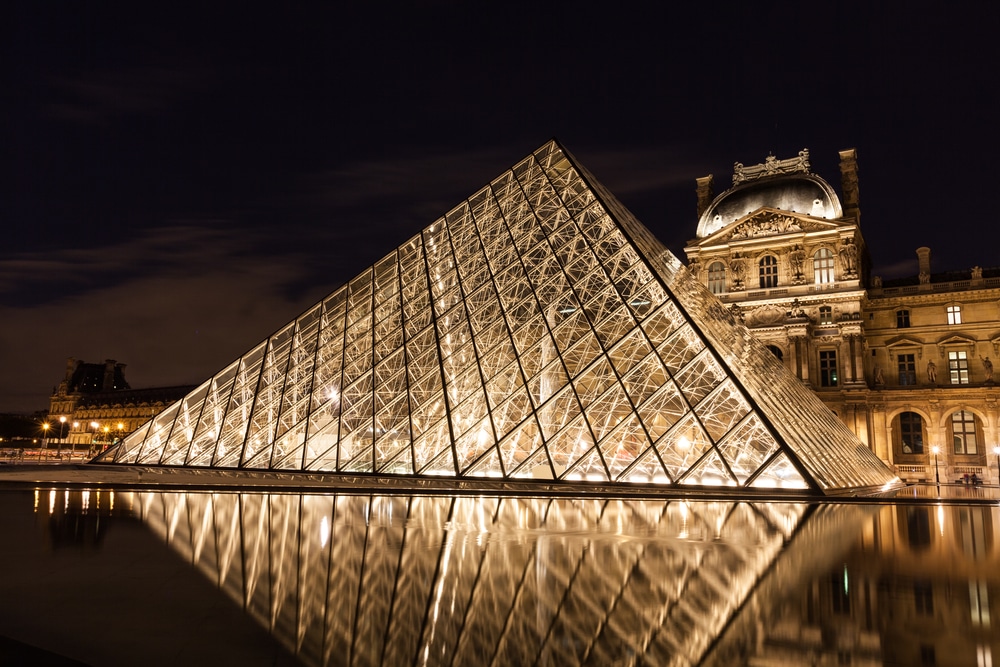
991	432
935	438
704	192
880	443
799	363
849	183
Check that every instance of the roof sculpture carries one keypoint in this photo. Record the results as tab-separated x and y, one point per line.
537	330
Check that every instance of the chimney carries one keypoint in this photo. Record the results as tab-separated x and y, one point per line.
924	260
849	183
705	194
109	375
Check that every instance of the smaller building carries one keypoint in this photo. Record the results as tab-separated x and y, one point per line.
94	406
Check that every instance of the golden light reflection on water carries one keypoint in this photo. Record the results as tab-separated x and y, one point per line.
363	579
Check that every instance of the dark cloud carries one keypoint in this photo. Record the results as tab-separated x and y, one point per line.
100	97
198	304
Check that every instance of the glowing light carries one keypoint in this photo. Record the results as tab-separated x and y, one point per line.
324	531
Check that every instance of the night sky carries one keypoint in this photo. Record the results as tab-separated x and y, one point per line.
178	186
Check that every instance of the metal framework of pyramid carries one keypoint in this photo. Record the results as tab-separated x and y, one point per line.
538	330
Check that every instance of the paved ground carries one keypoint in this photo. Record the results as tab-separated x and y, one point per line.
100	475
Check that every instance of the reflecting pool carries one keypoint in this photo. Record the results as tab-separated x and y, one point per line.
192	578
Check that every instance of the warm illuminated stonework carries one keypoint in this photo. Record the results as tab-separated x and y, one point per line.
536	331
907	364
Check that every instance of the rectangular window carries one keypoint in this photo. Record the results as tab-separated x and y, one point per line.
958	367
954	314
907	365
768	272
717	278
911	433
928	658
825	315
823	266
902	319
963	432
828	368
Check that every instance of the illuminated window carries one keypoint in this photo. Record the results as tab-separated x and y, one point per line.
823	266
979	603
907	365
717	277
768	272
963	432
826	315
954	314
975	531
958	367
910	427
902	319
828	368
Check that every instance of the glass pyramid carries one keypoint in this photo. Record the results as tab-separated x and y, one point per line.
538	330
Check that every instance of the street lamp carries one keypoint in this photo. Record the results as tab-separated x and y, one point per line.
45	437
937	473
93	439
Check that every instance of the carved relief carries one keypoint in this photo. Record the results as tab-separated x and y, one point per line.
738	270
694	266
849	258
768	223
764	316
796	259
765	226
772	166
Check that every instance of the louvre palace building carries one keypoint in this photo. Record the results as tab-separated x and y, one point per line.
906	364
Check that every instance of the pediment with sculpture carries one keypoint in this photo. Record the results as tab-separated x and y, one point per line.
767	222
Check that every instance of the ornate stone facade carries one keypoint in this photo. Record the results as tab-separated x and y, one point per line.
906	364
94	406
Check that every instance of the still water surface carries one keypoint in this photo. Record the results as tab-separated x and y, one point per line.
193	578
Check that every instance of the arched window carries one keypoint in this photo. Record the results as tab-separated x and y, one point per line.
717	278
768	271
964	432
823	266
908	433
776	351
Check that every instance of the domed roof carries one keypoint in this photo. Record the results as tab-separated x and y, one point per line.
798	192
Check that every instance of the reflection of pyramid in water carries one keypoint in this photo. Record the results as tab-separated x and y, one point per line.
395	580
536	331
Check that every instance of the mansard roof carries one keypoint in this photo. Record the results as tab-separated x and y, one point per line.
785	185
536	331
